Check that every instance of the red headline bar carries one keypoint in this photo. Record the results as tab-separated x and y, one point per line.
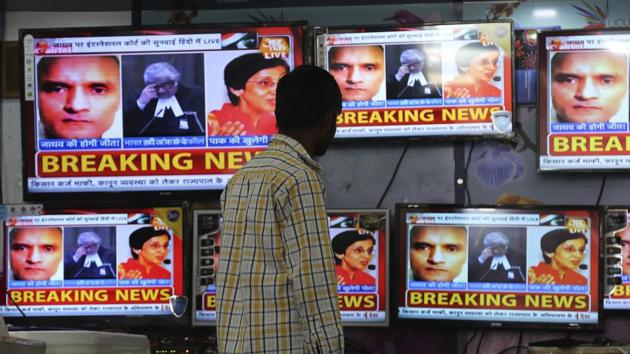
589	144
512	301
417	116
142	163
73	296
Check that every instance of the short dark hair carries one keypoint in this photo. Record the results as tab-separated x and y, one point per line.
466	53
305	97
142	235
240	69
342	241
552	239
17	230
43	65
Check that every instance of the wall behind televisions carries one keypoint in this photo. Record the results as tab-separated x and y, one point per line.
357	174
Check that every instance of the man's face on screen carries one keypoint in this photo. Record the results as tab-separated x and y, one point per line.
78	96
35	253
438	253
588	87
625	249
359	71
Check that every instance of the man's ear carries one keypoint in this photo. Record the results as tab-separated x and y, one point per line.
236	92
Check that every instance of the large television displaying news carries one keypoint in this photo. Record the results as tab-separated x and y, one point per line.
583	101
442	80
360	242
119	265
154	109
499	266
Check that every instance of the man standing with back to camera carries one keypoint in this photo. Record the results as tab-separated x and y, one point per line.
276	285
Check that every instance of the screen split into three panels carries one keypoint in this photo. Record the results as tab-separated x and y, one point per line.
94	263
434	80
148	110
500	266
360	241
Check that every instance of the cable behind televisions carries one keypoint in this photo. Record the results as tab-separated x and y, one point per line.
19	309
469	341
391	179
601	189
468	200
520	341
483	335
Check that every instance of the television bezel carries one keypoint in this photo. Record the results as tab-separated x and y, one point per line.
28	135
604	273
385	323
542	105
109	322
402	208
321	30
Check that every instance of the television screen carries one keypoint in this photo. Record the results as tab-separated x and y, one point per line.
148	109
583	101
95	263
360	240
433	80
499	266
617	259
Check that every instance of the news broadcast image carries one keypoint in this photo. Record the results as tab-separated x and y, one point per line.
359	240
133	111
114	263
445	80
501	266
584	101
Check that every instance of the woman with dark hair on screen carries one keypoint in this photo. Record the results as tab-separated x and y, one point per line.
149	248
477	64
563	252
353	253
251	81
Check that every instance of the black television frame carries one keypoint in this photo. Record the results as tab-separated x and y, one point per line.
542	107
321	30
399	286
299	28
139	323
388	245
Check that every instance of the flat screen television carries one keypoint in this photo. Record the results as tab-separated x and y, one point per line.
616	259
499	266
360	236
583	101
442	80
148	110
119	265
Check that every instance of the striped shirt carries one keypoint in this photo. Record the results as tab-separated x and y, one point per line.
276	284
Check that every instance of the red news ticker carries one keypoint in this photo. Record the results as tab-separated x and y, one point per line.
417	116
76	296
142	162
589	144
512	301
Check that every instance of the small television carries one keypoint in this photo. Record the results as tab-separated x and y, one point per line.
616	259
442	80
499	266
151	110
117	266
583	101
361	236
